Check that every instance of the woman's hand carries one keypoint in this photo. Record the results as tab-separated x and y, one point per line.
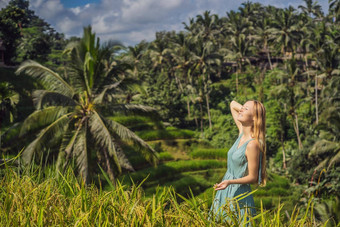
224	184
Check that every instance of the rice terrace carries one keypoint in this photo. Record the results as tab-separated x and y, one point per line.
169	113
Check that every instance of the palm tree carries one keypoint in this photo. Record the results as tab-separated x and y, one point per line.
238	42
182	56
286	30
324	48
263	35
206	61
207	26
135	55
334	9
72	109
327	148
311	8
292	94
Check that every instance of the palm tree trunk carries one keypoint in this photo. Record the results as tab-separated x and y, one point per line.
208	108
262	76
269	60
201	108
296	128
283	153
308	79
306	63
316	99
188	107
195	117
182	90
237	83
239	70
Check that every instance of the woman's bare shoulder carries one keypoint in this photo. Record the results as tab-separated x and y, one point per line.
253	147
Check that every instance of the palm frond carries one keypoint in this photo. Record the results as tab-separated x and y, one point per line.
40	118
322	164
126	134
80	152
122	85
52	80
99	98
67	135
45	136
41	97
102	136
67	145
322	147
70	46
336	158
123	160
129	83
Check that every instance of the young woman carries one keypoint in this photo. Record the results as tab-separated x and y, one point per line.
246	160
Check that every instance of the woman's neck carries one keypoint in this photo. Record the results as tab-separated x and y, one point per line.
247	133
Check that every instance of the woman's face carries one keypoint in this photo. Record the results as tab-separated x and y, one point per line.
246	114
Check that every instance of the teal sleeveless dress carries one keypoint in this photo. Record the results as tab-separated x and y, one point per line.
236	168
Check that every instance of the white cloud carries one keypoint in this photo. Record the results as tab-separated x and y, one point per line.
146	11
50	9
137	36
79	9
68	26
3	3
36	3
131	21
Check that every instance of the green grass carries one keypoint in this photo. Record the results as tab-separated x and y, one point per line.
182	185
49	199
175	167
165	156
209	154
137	122
166	134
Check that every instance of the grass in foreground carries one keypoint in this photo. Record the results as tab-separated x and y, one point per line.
59	200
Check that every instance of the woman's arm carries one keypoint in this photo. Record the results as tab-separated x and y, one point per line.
253	157
235	108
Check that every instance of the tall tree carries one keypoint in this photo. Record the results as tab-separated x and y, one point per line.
289	90
11	20
72	109
286	30
311	8
238	43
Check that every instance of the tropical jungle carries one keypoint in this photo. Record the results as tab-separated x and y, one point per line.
95	133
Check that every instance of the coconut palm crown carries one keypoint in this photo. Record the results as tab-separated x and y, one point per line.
72	109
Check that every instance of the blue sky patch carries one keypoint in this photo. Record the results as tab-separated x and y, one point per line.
75	3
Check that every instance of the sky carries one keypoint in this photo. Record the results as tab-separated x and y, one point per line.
131	21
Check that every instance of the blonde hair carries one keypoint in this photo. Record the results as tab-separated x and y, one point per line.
259	131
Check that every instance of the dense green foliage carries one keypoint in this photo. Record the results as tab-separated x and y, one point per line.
288	59
27	36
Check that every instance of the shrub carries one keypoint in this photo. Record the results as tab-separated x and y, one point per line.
165	134
209	153
165	156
